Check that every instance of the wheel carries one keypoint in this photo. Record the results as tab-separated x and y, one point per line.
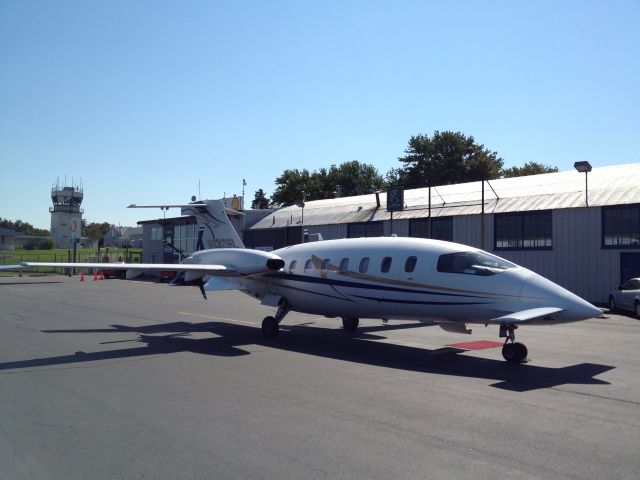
612	303
350	324
522	351
637	308
270	327
509	352
514	352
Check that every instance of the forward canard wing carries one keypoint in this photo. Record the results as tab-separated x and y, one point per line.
525	316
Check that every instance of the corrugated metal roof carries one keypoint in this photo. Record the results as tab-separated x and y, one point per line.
613	185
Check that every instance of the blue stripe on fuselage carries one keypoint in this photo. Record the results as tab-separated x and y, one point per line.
368	286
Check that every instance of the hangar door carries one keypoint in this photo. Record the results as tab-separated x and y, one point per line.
629	266
272	238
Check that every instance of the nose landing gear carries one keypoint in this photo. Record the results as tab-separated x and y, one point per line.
512	351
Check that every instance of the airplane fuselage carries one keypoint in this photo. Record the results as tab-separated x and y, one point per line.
408	278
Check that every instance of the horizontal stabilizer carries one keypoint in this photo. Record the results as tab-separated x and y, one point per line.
185	205
525	316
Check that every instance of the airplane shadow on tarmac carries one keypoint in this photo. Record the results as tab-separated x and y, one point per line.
329	343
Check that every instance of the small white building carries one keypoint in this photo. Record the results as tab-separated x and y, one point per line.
8	239
123	237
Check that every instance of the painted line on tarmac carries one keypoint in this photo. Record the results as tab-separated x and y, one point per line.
216	318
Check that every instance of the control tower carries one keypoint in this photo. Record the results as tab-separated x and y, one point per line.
66	215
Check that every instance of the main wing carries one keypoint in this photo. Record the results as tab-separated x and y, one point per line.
219	262
134	266
133	269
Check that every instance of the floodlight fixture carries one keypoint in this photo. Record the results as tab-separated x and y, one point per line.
584	167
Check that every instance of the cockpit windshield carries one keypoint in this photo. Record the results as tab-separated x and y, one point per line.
473	263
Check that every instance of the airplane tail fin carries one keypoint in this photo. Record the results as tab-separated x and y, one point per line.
214	226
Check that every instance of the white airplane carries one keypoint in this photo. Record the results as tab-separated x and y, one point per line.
386	278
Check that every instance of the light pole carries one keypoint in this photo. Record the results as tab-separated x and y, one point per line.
584	167
301	205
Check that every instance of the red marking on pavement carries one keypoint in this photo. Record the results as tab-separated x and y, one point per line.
477	345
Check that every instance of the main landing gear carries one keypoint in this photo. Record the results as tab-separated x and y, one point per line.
350	324
512	351
271	325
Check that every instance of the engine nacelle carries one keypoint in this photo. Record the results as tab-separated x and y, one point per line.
240	261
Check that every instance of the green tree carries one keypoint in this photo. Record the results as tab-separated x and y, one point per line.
46	244
24	228
260	201
292	186
94	231
529	168
354	178
347	179
445	158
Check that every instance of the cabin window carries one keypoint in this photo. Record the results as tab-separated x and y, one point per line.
410	264
307	266
473	263
344	265
292	265
364	265
386	265
621	226
523	231
325	265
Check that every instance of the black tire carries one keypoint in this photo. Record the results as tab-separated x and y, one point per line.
270	327
514	352
522	351
350	324
612	303
509	352
637	308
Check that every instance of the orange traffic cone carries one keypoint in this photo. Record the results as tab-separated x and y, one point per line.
101	276
95	276
82	277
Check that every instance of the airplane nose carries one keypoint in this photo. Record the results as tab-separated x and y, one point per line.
540	291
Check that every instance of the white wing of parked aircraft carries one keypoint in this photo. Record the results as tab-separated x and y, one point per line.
386	277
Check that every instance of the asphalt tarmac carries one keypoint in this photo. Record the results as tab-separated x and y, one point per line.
123	379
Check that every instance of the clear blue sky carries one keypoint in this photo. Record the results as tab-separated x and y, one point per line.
143	99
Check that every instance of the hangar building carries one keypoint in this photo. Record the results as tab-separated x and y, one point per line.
581	230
